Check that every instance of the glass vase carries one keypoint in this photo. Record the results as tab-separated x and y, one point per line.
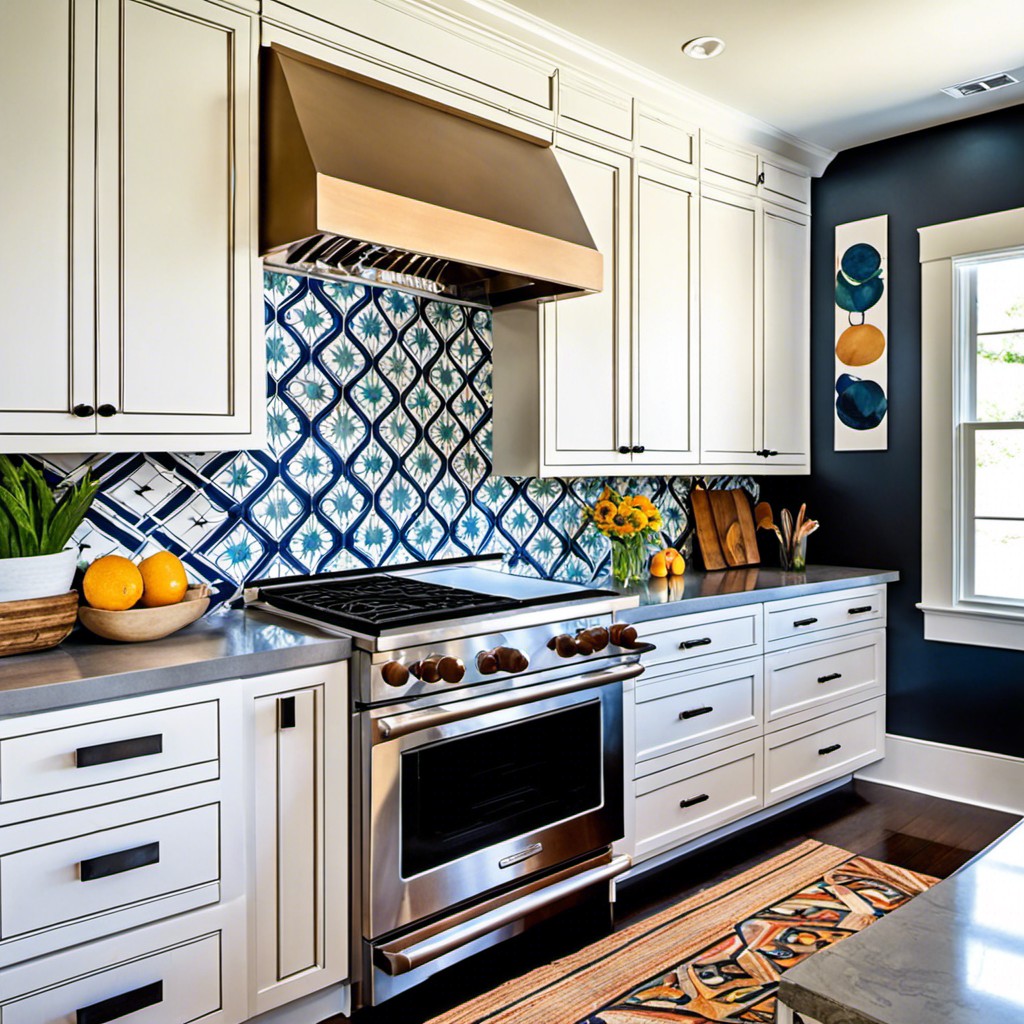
629	559
794	557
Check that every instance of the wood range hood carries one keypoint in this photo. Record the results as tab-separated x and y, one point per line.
359	180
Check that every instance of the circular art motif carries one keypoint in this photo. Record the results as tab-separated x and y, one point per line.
861	404
860	263
856	298
860	344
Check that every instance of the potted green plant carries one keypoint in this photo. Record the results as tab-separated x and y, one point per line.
35	527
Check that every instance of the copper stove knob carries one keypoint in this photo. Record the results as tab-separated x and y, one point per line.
596	638
622	634
486	663
563	645
511	660
451	669
426	670
394	673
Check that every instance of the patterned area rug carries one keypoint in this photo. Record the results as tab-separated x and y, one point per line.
716	956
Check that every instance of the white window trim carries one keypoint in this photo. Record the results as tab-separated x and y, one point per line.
946	616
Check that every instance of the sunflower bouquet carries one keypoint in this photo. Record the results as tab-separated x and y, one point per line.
630	522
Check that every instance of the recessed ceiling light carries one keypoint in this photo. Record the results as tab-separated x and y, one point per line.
704	47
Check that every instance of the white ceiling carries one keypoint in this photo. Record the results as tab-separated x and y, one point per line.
838	73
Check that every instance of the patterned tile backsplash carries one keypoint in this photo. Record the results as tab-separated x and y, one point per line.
379	449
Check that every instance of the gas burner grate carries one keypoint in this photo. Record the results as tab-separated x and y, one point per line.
370	604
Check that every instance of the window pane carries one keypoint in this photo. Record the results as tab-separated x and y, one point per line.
999	475
999	559
1000	377
1001	295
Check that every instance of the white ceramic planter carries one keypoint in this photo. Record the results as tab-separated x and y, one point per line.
22	579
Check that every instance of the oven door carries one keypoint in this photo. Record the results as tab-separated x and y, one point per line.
471	797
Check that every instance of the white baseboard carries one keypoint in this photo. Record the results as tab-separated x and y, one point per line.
956	773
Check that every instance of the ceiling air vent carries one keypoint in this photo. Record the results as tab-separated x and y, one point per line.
980	85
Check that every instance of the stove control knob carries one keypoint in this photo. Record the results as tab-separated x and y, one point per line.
563	645
394	673
511	660
487	663
452	669
501	659
590	640
426	670
622	634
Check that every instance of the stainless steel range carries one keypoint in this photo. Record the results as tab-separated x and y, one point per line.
487	726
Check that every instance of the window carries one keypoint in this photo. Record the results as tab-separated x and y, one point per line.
989	352
972	430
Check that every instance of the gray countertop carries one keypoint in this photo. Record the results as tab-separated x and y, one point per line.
224	645
697	591
953	954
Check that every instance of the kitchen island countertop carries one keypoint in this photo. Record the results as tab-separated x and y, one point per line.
953	954
698	591
224	645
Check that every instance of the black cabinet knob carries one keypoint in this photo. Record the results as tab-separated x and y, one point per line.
766	453
624	449
106	409
82	411
638	449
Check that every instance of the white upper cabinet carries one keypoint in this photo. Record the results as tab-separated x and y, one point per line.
730	328
787	328
665	349
47	53
155	340
586	339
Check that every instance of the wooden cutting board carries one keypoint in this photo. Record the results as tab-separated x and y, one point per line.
725	528
707	535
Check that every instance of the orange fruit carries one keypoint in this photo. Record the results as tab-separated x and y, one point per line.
676	563
113	583
659	567
164	580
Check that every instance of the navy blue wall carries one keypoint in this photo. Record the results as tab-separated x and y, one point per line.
869	503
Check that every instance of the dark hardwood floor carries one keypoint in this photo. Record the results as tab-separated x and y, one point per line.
922	833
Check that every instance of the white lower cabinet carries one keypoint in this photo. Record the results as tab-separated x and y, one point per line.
737	711
298	834
178	857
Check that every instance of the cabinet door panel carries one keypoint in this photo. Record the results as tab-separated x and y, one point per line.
45	209
586	338
786	335
174	345
664	357
730	399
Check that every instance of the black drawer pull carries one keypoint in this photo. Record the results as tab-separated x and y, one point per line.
120	1006
830	750
830	677
116	863
286	713
694	800
694	712
860	610
119	750
702	642
805	622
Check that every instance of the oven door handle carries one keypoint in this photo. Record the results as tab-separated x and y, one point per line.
404	955
429	718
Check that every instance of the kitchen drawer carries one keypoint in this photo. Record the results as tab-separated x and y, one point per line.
110	750
805	619
588	107
804	756
679	710
678	804
172	986
727	164
818	676
786	187
107	868
704	638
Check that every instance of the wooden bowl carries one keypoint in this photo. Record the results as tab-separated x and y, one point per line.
137	624
36	624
